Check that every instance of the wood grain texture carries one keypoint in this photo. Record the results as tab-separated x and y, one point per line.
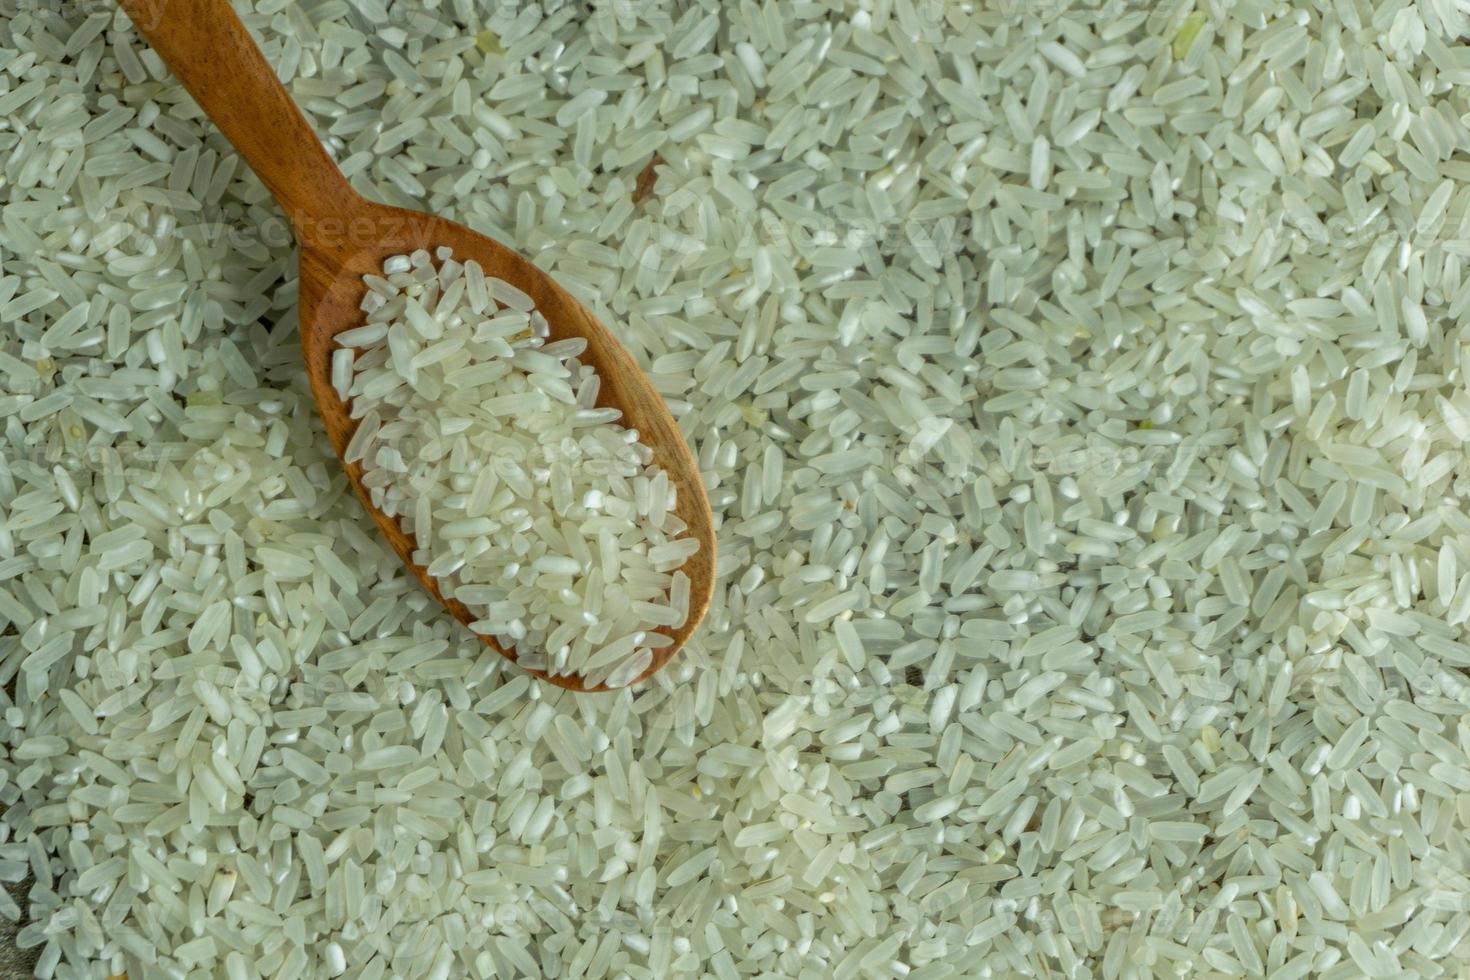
342	236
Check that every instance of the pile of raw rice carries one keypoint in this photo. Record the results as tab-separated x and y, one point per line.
535	508
1081	393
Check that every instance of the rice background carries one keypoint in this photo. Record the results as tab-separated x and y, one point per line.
15	963
1080	389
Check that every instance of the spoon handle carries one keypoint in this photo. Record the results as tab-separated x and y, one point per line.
208	49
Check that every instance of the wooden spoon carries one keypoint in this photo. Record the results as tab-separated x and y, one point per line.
341	236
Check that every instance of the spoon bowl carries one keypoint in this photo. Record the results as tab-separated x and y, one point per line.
342	236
